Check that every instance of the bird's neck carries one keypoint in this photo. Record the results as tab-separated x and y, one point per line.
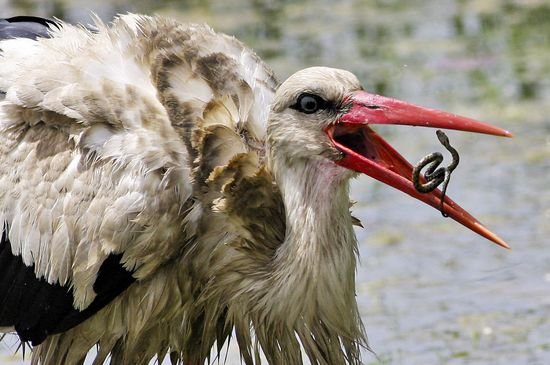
314	269
316	199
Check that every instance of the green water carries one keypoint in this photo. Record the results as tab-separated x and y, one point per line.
430	291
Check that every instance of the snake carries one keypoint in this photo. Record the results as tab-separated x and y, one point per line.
435	174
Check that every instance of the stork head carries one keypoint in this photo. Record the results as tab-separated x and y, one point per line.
324	114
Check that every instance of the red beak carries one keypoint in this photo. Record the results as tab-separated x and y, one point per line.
366	152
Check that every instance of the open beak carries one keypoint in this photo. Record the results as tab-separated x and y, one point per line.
366	152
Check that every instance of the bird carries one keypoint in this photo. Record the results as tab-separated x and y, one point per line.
162	193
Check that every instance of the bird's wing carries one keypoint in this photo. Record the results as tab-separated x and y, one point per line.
107	142
74	200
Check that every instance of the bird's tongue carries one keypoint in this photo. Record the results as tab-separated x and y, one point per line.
366	152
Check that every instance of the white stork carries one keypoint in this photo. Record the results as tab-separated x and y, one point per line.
160	192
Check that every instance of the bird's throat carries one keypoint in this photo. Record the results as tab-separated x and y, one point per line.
315	266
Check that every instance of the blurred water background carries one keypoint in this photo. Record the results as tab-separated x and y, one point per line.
430	291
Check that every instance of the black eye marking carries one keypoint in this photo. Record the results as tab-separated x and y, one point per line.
310	103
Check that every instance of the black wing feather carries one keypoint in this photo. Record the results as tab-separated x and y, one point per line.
37	308
26	27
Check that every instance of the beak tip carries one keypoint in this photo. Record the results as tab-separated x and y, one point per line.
483	231
503	244
494	238
495	131
507	134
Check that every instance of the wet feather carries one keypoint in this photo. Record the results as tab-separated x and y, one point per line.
163	154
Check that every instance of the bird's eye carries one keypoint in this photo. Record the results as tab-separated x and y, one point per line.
309	103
